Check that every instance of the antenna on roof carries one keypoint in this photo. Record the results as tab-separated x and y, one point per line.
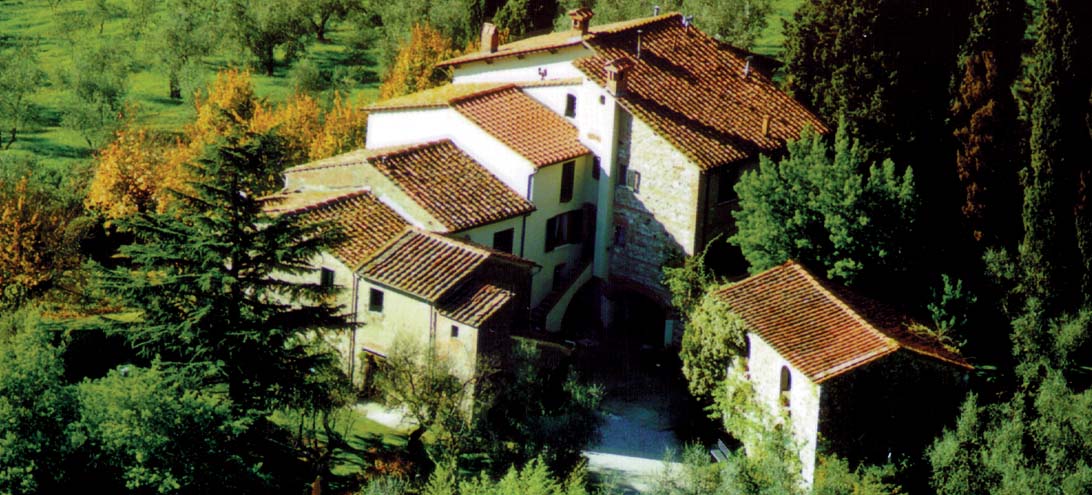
655	10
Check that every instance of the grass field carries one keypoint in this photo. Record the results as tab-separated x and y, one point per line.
772	41
51	144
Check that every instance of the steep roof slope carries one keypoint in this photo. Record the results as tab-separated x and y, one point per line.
694	91
824	330
439	177
365	221
428	265
523	124
453	187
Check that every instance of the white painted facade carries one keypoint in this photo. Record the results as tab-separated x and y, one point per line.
557	64
765	371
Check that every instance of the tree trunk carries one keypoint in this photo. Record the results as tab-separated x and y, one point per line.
12	140
416	450
175	87
320	28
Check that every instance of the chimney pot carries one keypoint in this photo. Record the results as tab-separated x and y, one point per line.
617	70
581	19
490	38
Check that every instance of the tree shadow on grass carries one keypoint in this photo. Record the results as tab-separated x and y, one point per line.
42	146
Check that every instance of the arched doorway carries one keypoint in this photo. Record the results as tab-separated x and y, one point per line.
638	316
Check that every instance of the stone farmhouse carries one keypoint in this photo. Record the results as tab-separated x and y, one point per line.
561	167
856	377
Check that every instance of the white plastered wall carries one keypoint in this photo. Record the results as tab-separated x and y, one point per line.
764	367
558	65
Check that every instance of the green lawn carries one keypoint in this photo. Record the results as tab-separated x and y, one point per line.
772	41
37	22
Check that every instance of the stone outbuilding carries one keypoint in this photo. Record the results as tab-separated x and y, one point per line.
857	378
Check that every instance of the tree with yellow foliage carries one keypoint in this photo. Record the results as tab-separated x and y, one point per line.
30	234
415	68
135	173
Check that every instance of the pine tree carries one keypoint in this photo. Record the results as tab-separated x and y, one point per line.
218	282
984	114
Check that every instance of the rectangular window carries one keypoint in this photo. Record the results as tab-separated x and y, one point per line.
570	105
454	331
326	278
375	301
595	168
559	276
503	240
566	228
568	175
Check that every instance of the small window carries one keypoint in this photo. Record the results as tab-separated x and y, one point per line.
326	278
454	331
786	386
375	301
623	170
559	276
602	99
595	168
570	105
568	175
503	240
633	180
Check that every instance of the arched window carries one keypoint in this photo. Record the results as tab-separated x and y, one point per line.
786	386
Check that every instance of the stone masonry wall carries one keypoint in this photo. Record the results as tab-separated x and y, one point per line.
659	216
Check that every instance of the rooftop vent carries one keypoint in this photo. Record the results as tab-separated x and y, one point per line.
581	19
747	66
655	10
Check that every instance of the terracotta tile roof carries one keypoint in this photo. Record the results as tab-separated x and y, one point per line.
450	185
690	89
523	124
367	223
475	302
428	265
550	41
821	329
355	157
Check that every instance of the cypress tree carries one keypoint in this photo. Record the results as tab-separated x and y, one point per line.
886	67
1056	252
985	118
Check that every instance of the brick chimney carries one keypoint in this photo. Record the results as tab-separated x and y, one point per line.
490	38
617	70
581	19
